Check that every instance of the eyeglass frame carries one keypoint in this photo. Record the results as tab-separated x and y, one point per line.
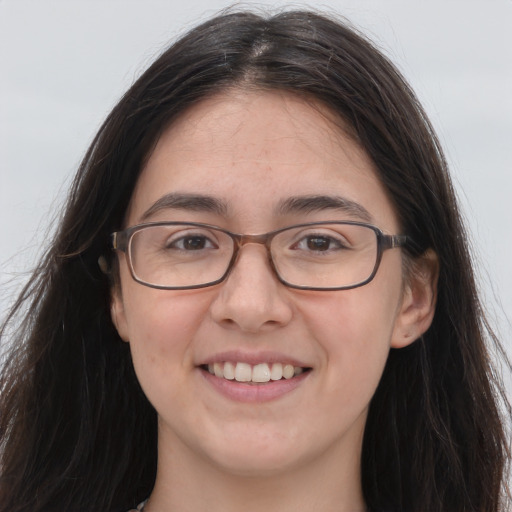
121	240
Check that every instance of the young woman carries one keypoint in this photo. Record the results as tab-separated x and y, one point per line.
260	296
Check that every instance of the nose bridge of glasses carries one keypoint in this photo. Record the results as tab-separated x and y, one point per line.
263	239
242	240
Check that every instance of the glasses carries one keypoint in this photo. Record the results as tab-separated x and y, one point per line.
327	255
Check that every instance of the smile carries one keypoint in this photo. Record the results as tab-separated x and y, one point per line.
258	373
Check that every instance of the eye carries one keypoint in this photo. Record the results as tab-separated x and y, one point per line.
319	243
191	242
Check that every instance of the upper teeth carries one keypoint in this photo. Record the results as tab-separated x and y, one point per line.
244	372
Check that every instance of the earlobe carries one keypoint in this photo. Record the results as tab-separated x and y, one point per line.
418	301
118	315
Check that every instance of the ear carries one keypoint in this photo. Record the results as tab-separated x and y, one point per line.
117	313
418	304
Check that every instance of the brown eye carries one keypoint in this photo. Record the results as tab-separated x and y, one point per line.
191	243
194	243
318	243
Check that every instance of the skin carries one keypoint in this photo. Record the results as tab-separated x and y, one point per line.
302	450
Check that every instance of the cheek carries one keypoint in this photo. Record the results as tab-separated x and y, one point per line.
163	316
161	327
354	330
355	319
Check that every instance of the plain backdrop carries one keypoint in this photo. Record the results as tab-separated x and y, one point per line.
63	65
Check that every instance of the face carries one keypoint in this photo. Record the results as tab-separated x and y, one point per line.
252	153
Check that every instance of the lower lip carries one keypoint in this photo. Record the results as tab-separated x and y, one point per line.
254	393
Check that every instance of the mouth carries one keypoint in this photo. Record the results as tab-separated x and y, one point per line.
260	373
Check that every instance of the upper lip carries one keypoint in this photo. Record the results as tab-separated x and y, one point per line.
252	358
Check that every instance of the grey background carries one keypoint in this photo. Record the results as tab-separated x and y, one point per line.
63	65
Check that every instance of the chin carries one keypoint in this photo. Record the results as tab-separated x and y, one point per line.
257	466
258	456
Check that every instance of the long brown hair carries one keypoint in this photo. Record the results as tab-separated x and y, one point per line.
76	431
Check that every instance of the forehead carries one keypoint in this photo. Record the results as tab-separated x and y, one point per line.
257	126
252	151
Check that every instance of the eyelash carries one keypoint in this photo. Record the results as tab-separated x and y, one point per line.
183	238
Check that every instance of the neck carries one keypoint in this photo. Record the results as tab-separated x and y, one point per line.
186	482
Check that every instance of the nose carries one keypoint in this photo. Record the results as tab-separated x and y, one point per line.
252	299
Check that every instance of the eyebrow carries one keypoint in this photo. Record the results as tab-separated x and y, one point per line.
317	203
297	204
191	202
